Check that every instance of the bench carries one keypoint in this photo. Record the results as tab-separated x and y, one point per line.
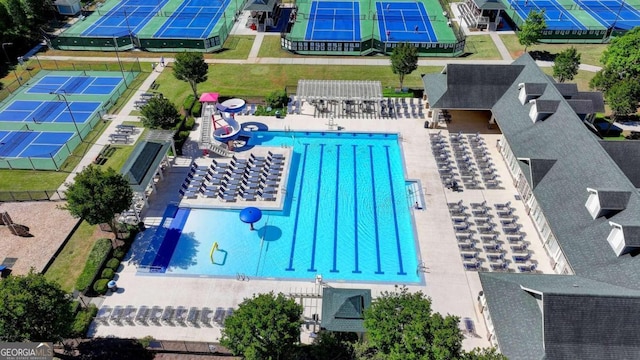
154	86
125	129
146	96
140	103
104	155
124	138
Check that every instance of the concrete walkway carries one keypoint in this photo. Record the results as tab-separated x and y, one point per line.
504	52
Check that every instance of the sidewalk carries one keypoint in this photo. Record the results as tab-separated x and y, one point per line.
114	120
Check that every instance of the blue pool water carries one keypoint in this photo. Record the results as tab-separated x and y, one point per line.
346	217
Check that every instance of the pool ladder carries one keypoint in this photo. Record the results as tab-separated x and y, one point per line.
242	277
422	268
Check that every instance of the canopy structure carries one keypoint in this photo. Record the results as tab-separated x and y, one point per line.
209	97
339	90
343	309
147	161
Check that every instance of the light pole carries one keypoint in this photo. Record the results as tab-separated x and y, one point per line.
64	97
115	46
8	61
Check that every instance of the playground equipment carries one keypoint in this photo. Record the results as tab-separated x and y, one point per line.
213	249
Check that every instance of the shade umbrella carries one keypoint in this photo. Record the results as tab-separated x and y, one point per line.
250	215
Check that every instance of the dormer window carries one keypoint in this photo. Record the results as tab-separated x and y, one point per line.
593	204
606	202
542	109
530	91
623	238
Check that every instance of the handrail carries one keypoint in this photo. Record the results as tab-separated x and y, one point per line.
213	249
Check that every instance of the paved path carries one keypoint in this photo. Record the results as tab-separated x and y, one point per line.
504	52
313	61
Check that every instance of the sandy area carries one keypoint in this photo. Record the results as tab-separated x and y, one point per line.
49	226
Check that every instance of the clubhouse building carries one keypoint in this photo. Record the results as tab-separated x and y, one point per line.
581	193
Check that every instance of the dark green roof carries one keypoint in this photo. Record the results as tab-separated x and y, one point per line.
144	160
343	309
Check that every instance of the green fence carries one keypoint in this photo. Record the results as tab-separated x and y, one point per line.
33	195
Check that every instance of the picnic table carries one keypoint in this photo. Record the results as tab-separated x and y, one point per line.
125	129
123	138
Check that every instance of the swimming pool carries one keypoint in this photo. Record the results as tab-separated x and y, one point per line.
346	217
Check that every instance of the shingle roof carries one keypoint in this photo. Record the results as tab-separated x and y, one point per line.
567	159
568	90
489	5
581	107
582	318
343	309
475	86
581	163
141	166
626	154
613	200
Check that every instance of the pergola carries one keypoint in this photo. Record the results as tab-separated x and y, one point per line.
147	161
339	90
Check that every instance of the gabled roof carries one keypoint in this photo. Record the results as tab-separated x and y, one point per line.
539	168
343	309
596	98
141	165
472	86
581	318
581	107
568	90
613	199
626	154
489	4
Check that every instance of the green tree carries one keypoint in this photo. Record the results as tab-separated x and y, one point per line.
33	309
404	60
401	325
566	65
159	112
622	98
531	31
190	67
97	196
17	12
265	327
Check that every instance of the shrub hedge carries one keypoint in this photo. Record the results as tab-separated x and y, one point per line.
100	286
196	109
188	103
120	253
189	123
99	253
107	274
113	264
82	321
277	99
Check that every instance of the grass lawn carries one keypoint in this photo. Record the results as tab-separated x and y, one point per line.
582	78
69	264
481	47
589	53
119	157
256	81
270	47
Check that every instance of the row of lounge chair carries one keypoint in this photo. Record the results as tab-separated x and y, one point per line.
246	179
479	240
159	316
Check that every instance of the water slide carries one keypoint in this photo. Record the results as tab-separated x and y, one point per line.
227	109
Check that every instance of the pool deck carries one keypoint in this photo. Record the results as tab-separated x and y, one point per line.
452	289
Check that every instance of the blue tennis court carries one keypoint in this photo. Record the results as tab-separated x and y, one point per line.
34	144
404	21
128	17
606	12
334	20
76	85
49	111
194	19
556	16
